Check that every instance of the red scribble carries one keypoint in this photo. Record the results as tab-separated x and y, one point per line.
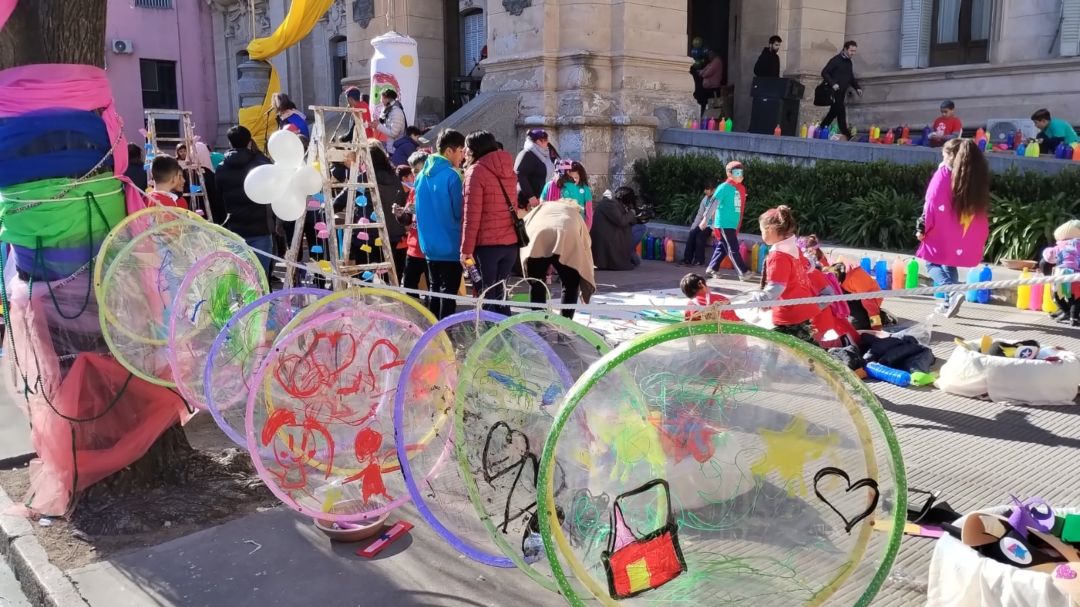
306	375
366	446
369	378
293	457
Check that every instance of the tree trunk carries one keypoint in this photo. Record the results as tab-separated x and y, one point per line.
54	31
73	31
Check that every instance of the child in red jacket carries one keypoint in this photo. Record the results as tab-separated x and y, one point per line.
695	288
168	180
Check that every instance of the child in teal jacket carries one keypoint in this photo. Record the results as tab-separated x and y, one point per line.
731	200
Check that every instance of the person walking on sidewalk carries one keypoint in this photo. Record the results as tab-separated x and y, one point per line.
730	202
839	75
955	222
439	215
698	237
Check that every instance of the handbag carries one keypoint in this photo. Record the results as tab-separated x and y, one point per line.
823	95
635	565
519	224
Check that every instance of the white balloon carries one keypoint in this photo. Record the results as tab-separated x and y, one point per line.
286	149
290	206
264	183
307	180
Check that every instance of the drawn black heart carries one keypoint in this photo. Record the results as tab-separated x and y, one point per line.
859	484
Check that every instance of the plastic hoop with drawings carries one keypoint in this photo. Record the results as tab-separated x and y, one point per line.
747	533
198	316
232	360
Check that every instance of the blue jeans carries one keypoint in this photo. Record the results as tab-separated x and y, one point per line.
637	232
496	262
942	275
263	243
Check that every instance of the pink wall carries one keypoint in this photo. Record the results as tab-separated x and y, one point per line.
162	34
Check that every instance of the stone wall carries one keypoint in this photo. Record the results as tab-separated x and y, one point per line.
807	152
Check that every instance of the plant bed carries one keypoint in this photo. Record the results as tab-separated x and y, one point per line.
214	484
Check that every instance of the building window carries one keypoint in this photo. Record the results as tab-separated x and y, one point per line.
473	40
159	92
961	32
165	4
339	64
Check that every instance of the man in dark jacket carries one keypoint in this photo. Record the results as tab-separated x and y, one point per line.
247	219
768	64
839	75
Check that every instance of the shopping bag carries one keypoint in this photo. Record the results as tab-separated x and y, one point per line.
635	565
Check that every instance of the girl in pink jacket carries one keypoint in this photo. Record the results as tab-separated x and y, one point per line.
954	226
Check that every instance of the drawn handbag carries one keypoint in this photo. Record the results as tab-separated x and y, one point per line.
635	565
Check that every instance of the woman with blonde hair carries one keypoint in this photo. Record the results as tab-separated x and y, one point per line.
955	221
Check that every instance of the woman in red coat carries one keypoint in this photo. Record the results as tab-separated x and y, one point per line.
488	238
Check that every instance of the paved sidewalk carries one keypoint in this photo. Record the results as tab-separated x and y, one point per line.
11	594
976	452
14	427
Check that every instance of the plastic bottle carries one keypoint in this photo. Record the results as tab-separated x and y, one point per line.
755	254
826	133
712	124
1076	153
896	377
1048	304
777	131
744	251
658	251
1023	292
985	275
694	125
1035	305
727	126
721	125
761	260
669	250
911	279
689	124
971	295
804	130
890	137
898	274
473	273
646	247
1033	150
980	134
637	249
1059	151
872	133
1021	150
926	136
881	273
982	145
1018	138
905	134
867	265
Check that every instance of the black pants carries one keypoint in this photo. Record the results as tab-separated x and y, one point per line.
415	268
496	262
1049	144
400	256
696	241
537	267
445	279
838	111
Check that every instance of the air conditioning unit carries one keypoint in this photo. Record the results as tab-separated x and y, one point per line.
123	47
999	129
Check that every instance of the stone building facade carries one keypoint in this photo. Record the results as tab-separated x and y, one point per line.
994	58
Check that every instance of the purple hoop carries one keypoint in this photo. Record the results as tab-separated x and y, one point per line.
247	272
249	416
447	453
219	342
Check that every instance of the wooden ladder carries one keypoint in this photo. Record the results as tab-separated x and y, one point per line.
198	200
322	152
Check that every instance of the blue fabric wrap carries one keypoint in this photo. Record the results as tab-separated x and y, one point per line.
49	144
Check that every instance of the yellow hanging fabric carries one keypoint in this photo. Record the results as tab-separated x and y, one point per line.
298	23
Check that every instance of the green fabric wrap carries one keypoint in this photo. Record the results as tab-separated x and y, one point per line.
63	222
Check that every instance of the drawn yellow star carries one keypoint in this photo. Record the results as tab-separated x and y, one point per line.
788	451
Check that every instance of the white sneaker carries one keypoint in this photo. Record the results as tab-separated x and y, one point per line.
955	301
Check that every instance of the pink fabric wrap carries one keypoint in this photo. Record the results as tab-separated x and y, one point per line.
81	87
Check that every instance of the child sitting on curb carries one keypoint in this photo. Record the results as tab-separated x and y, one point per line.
698	238
695	288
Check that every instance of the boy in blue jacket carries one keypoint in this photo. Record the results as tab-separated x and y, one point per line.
439	213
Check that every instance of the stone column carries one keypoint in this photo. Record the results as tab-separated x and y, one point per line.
601	75
816	31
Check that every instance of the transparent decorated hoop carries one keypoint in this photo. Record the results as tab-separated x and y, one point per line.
166	241
315	370
737	533
533	405
232	360
198	316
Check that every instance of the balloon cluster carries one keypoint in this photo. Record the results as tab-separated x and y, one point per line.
286	184
699	461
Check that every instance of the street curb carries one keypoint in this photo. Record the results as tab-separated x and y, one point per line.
43	583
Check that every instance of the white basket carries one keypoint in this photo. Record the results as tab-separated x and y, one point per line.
1037	382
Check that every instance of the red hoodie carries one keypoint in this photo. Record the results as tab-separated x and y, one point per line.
487	220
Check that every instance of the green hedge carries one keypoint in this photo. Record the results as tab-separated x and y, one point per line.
872	205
